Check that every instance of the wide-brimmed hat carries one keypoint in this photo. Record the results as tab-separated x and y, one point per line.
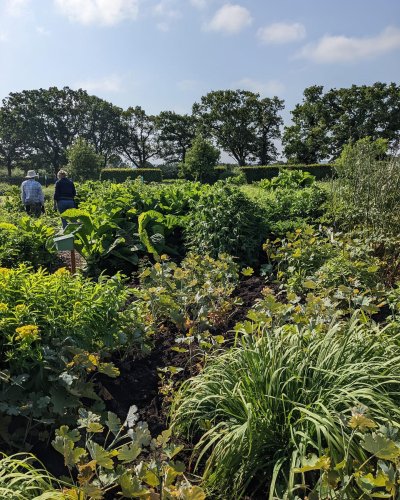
31	174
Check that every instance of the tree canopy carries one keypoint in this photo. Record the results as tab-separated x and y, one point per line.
241	123
324	123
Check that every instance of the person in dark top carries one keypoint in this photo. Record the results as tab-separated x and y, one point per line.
64	194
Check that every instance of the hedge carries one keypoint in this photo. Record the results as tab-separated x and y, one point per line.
259	172
122	174
16	180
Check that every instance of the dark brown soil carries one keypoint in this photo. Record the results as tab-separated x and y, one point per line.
139	381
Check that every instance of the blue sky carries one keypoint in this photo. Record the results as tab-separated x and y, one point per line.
166	54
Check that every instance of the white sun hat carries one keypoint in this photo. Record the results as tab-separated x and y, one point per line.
31	174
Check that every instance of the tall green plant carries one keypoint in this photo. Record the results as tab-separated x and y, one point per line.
258	408
366	192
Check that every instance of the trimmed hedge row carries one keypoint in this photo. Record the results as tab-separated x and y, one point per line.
122	174
257	173
16	180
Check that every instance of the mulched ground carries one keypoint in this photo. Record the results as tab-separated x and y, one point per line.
139	381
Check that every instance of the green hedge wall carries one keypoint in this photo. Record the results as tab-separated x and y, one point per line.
257	173
122	174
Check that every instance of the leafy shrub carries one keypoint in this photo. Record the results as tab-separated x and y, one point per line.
57	330
169	170
257	410
122	174
366	192
224	220
106	466
195	296
235	175
257	173
25	241
83	161
200	161
291	179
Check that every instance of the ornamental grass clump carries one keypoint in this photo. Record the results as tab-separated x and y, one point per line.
257	409
21	480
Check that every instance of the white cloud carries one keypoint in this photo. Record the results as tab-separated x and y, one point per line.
42	31
111	83
230	19
3	36
104	12
271	87
199	4
166	10
281	33
331	49
16	8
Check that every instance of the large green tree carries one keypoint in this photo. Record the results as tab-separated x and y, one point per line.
139	138
51	119
324	122
241	123
12	146
102	126
176	135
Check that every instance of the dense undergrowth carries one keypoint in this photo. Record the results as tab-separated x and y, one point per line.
298	399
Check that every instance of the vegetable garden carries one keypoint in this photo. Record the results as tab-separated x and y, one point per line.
224	341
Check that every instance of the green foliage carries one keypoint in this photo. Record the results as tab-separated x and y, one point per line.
109	467
195	296
119	223
324	122
56	333
25	241
241	123
224	220
234	175
289	179
20	479
122	174
200	161
258	409
83	161
257	173
367	190
332	264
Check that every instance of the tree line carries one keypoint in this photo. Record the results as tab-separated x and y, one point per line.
38	126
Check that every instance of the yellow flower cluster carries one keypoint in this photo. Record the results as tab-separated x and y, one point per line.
3	307
27	332
62	271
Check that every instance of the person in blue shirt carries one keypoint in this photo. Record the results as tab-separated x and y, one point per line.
64	194
32	195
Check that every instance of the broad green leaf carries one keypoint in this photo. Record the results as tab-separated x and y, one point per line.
102	456
92	491
131	487
73	435
172	450
361	422
164	437
150	478
381	447
368	482
310	284
113	423
247	271
108	369
129	452
192	493
314	463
